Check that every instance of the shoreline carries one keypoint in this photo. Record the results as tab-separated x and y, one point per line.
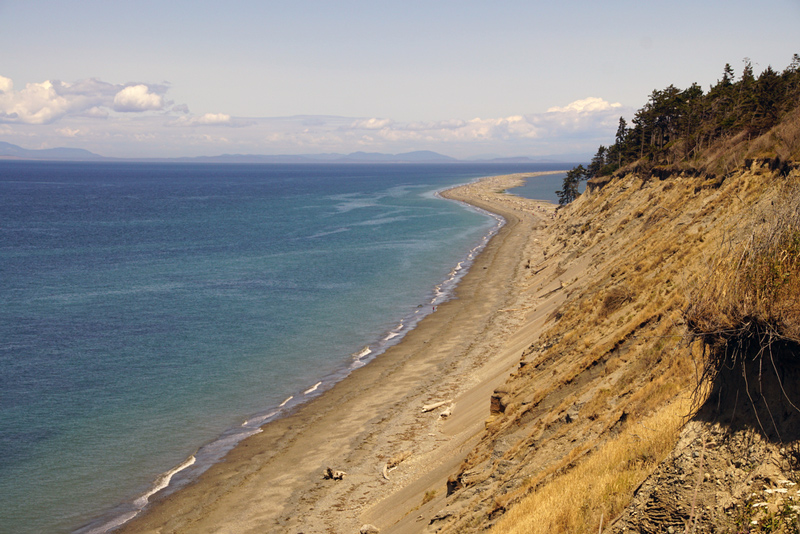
357	424
214	451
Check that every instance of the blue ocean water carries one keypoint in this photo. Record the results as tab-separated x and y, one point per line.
541	187
153	314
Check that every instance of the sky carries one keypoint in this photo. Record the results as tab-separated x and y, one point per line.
465	78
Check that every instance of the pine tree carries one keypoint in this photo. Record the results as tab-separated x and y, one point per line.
569	191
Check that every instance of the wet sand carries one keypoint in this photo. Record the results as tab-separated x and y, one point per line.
273	481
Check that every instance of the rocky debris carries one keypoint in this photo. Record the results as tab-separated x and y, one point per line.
716	480
499	401
369	529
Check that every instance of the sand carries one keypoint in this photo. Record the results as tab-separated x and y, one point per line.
273	481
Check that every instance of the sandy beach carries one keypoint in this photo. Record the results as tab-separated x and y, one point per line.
372	425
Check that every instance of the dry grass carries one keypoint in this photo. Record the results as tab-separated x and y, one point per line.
616	353
783	141
614	299
746	315
601	485
753	291
429	496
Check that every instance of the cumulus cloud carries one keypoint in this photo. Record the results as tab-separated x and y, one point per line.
214	118
6	84
137	98
590	114
49	101
371	124
582	125
586	105
38	103
210	119
136	119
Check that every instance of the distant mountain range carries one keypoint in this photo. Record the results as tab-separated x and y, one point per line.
9	151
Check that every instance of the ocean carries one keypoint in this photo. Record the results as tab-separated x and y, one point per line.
154	314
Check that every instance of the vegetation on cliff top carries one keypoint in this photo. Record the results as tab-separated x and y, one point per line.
685	129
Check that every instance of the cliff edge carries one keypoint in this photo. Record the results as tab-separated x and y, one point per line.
657	398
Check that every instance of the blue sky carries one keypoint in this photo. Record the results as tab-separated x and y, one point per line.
463	78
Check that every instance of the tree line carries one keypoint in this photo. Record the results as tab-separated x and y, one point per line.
677	125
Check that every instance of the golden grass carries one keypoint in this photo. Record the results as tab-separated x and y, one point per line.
599	487
782	141
754	285
617	351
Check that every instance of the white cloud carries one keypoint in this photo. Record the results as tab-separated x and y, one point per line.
6	84
68	132
38	103
208	118
371	124
49	101
214	118
586	105
138	120
137	98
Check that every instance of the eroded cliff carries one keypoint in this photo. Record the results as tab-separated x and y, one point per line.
609	395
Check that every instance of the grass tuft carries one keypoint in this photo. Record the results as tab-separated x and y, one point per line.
752	297
601	485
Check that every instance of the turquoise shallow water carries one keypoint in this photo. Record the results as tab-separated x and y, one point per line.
157	313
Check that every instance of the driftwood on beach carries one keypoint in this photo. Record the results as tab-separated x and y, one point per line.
430	407
392	464
333	474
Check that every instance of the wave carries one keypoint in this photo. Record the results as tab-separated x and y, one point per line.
256	422
163	482
366	351
312	388
139	504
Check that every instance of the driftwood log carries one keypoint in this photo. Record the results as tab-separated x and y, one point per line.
392	464
430	407
333	474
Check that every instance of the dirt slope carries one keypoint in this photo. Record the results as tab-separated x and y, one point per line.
626	257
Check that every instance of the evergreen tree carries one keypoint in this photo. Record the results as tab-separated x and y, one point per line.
727	75
597	164
677	125
569	190
620	142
